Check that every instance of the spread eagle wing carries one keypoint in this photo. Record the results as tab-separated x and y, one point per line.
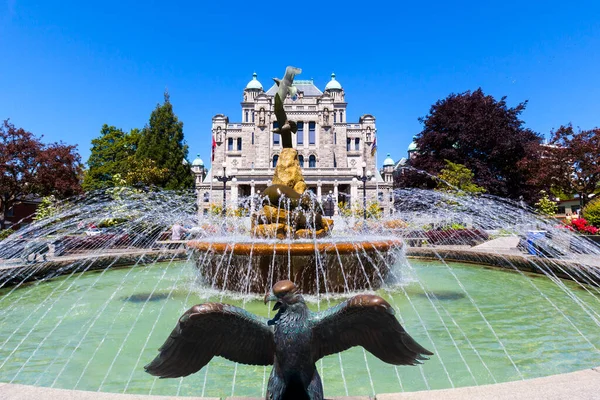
213	329
367	321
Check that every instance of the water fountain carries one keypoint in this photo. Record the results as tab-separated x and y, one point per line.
81	320
289	215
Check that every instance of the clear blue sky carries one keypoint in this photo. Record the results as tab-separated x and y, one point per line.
70	66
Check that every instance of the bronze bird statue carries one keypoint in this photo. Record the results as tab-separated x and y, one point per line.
284	87
293	341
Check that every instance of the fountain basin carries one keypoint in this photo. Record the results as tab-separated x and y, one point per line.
317	266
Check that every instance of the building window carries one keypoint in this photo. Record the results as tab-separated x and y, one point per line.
205	211
334	161
275	135
348	143
357	144
380	197
341	117
252	137
561	210
312	161
275	159
206	197
334	137
311	133
301	161
246	116
335	117
230	144
252	116
300	133
239	144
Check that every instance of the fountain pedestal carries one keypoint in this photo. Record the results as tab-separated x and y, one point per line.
315	266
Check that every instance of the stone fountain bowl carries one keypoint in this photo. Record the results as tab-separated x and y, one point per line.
316	266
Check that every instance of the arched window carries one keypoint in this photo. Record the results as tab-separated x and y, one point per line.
252	116
275	159
301	161
334	137
341	116
252	136
246	116
312	161
206	197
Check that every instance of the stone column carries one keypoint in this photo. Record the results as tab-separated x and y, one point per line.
336	211
319	190
234	194
252	193
353	191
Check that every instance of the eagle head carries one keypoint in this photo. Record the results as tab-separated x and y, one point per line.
284	293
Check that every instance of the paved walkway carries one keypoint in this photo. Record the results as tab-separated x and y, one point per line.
580	385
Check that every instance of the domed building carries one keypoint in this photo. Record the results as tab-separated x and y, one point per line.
331	150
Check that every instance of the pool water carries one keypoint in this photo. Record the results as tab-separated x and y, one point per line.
95	331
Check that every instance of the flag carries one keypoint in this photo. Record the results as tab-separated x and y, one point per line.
214	145
374	147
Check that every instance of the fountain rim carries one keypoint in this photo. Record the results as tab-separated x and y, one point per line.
259	248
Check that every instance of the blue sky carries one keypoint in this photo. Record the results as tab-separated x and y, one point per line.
68	67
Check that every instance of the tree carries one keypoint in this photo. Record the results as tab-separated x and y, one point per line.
545	206
484	135
28	167
570	163
162	141
457	176
591	212
111	153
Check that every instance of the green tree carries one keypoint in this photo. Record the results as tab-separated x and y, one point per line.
162	141
591	212
111	154
457	176
545	206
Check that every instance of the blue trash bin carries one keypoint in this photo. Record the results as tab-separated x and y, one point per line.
533	238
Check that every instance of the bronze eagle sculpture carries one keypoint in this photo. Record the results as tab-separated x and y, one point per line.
293	341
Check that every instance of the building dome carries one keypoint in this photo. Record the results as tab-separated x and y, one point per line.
254	83
333	84
198	162
413	145
388	162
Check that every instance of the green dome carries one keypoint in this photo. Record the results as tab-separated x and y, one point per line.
198	162
333	84
388	162
254	83
413	145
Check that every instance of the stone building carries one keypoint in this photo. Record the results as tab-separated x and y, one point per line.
333	152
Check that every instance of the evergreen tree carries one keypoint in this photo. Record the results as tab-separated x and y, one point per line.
110	154
162	142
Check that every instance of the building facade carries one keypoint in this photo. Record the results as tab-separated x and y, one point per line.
332	152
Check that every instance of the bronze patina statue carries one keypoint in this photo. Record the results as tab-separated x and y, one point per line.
293	341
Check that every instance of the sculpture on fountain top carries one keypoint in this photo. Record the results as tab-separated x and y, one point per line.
289	211
298	339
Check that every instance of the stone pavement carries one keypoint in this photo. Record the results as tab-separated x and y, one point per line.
580	385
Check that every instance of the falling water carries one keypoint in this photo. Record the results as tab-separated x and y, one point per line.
81	320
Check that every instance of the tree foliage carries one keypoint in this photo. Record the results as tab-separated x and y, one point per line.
457	176
545	205
591	212
111	153
570	163
29	167
162	141
484	135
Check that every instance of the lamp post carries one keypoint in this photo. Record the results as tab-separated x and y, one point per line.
366	175
225	179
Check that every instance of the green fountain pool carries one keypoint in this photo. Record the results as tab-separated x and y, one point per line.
95	331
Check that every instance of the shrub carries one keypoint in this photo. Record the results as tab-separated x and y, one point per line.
470	237
591	212
580	225
6	233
